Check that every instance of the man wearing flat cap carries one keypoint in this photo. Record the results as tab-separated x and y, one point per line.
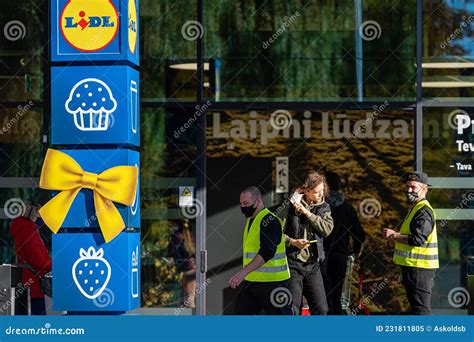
416	245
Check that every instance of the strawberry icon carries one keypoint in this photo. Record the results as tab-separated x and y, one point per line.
91	272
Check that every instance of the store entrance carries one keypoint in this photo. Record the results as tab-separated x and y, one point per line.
370	150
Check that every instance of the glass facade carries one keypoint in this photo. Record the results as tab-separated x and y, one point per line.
311	51
448	55
343	72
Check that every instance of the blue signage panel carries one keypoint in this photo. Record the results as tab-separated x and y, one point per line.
94	30
82	212
93	276
95	105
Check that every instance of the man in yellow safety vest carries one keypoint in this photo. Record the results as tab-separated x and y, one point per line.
416	245
265	271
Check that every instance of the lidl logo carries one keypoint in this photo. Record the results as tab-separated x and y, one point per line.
132	26
89	25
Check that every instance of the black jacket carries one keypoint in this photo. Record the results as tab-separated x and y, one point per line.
346	227
296	224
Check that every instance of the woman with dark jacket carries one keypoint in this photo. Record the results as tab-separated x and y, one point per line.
308	222
30	250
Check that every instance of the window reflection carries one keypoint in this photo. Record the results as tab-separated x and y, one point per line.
448	52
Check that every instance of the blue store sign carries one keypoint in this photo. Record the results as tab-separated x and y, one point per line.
94	30
95	105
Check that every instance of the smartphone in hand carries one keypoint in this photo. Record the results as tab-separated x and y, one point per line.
296	198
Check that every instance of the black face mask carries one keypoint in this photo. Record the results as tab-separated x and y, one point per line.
412	196
248	211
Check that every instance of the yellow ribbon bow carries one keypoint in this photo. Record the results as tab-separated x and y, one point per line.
61	172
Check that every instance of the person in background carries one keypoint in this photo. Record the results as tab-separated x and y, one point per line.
264	275
346	238
416	245
31	250
182	249
308	222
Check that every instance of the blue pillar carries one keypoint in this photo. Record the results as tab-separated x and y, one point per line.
95	119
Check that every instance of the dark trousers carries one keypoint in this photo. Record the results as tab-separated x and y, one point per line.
334	276
270	298
38	306
306	280
418	284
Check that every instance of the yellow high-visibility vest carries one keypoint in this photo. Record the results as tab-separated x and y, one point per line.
425	256
275	269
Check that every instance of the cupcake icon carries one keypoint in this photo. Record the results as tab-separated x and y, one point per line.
91	102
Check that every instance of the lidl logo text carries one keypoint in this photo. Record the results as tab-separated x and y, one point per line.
92	22
89	25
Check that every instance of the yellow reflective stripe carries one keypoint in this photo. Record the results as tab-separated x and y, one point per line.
425	245
276	257
418	256
272	269
417	250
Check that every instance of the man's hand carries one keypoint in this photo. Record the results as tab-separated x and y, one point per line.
389	233
237	278
300	243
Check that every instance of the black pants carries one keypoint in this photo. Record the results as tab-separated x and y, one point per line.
306	280
256	298
38	306
418	284
334	276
